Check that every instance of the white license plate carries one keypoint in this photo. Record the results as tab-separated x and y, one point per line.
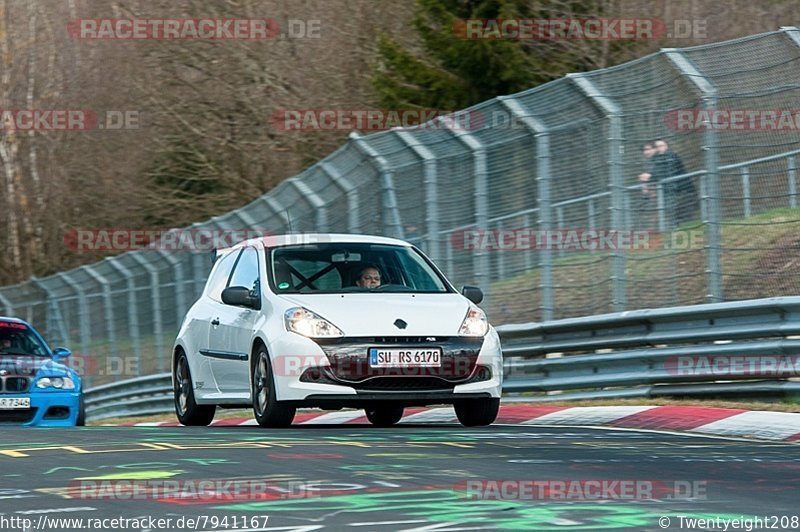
14	403
405	358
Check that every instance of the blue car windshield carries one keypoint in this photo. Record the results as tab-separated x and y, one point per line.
18	339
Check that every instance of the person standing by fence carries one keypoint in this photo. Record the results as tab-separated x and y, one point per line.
647	199
680	196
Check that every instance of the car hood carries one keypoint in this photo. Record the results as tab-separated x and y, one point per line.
32	366
374	314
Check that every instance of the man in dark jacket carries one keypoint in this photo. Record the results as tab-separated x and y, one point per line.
680	196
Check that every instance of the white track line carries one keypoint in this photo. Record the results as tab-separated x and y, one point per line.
334	418
587	415
434	415
759	424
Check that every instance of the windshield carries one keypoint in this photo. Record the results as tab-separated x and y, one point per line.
18	339
343	268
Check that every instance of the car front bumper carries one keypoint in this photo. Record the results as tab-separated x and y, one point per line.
48	409
336	373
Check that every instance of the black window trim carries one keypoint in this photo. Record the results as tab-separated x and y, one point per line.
230	274
449	288
258	270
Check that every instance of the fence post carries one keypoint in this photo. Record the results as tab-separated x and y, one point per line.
320	211
526	224
199	271
155	296
55	320
180	288
133	317
480	258
48	296
350	191
746	191
431	191
83	311
792	181
276	207
7	308
544	203
390	214
247	221
710	179
108	310
249	225
614	115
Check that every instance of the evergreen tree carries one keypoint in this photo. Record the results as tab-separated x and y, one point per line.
452	72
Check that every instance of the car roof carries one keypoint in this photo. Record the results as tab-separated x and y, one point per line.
272	241
14	320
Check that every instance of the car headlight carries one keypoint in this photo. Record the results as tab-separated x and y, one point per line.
62	383
474	323
306	323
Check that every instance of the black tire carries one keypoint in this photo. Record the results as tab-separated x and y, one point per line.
268	411
477	412
189	413
81	420
384	416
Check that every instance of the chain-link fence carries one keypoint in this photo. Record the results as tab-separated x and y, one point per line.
539	201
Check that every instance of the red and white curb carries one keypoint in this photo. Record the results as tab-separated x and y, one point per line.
781	426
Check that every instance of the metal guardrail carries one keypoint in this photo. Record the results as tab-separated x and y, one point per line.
141	396
641	353
738	348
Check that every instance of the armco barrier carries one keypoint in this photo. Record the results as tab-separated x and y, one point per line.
740	348
135	397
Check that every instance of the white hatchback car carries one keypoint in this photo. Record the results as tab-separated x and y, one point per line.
334	321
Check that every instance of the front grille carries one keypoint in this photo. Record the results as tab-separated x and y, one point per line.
400	340
403	384
398	384
15	384
349	361
17	416
403	340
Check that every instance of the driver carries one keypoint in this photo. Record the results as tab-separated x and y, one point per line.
369	277
8	344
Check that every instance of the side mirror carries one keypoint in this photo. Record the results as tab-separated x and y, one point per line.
240	296
473	293
61	352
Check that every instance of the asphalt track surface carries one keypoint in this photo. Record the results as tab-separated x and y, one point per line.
411	477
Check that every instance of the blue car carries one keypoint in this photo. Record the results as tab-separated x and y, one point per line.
36	387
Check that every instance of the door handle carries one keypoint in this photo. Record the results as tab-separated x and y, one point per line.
215	322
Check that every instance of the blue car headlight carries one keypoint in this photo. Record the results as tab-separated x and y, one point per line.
61	383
